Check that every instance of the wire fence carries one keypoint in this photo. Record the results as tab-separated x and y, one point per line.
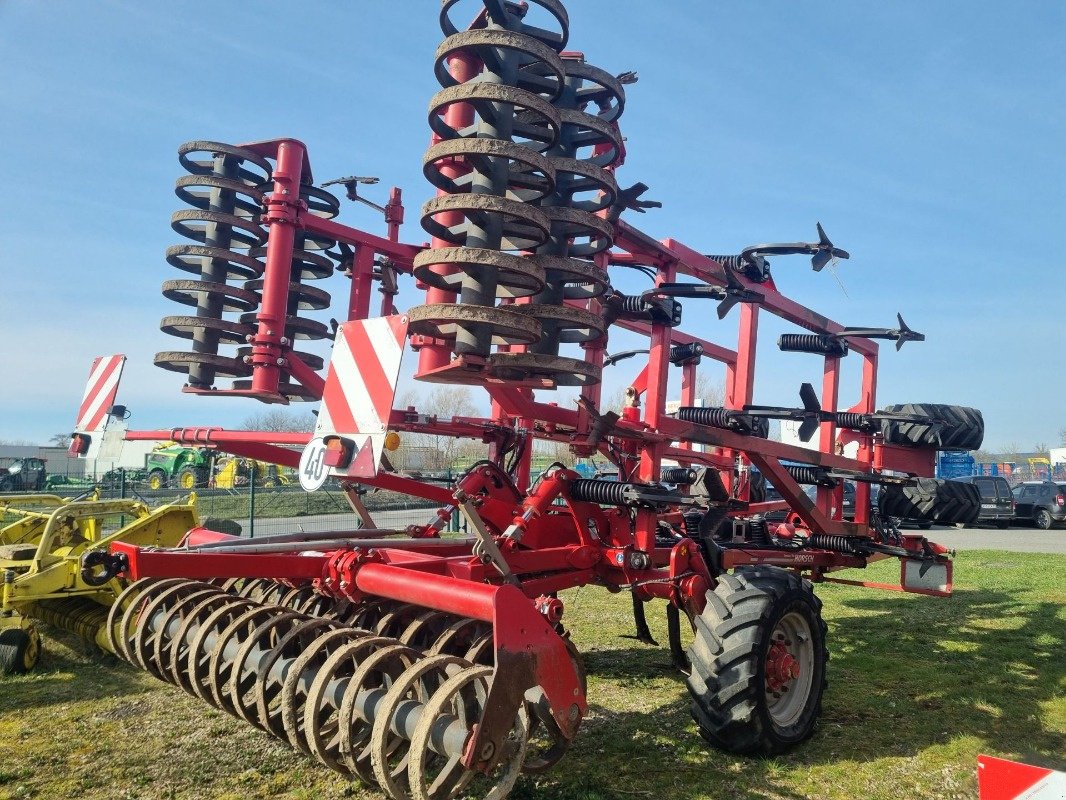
262	511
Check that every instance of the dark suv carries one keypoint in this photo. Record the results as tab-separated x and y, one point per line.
1043	502
997	502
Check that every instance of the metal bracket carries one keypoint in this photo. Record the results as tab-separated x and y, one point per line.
485	547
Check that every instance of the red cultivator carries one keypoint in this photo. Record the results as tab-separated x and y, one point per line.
432	665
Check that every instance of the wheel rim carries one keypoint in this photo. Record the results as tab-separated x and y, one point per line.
155	482
188	481
789	669
1043	520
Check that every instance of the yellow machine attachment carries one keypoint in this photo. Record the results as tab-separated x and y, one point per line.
40	563
235	472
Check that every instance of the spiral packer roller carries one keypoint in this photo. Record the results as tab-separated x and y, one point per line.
433	666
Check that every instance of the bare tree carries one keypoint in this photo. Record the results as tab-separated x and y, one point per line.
711	392
1042	449
280	421
1062	436
439	452
59	439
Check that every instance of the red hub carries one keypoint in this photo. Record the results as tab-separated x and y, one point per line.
781	667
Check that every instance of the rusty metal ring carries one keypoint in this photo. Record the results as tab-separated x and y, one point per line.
570	325
533	105
239	265
307	297
534	178
218	148
524	226
582	279
516	276
553	7
592	132
440	321
572	223
590	178
486	39
558	370
227	331
177	361
244	232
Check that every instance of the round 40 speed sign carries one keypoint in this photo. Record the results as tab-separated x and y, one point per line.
313	469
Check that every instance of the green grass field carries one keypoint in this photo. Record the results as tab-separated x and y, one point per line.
918	687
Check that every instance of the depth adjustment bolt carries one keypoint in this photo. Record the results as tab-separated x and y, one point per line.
639	560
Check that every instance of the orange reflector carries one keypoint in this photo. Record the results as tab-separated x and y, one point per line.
392	440
339	452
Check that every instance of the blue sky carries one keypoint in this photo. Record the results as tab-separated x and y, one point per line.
926	137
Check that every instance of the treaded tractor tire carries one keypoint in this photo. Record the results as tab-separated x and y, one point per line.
962	428
932	500
732	684
19	650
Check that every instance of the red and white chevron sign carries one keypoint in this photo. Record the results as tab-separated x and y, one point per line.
1000	779
100	392
358	396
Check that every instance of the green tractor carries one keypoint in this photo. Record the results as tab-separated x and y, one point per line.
178	466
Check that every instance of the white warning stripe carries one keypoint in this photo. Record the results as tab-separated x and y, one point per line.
105	393
388	350
354	389
1051	787
98	369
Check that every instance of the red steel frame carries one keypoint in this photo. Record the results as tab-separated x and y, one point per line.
548	540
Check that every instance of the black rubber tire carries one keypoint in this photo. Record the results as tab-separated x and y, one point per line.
1042	519
962	428
1003	524
931	500
6	485
162	477
727	682
756	487
19	650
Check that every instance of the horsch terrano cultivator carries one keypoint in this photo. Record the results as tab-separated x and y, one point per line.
433	665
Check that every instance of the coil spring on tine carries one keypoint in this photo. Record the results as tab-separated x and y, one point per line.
853	421
713	416
684	475
819	343
805	474
606	493
839	544
224	190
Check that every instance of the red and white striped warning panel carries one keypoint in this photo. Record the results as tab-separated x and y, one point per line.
357	401
100	392
1000	779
